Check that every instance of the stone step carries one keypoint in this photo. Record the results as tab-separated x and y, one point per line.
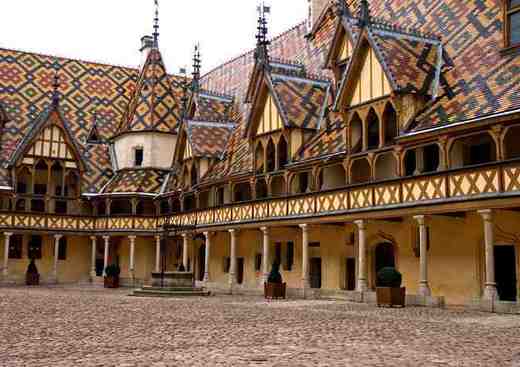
166	294
170	289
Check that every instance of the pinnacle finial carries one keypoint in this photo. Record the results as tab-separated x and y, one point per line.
364	13
156	25
262	43
196	69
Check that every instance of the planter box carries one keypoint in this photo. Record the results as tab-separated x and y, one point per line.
274	290
111	282
32	279
390	296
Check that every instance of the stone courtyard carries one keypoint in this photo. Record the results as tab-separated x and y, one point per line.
72	326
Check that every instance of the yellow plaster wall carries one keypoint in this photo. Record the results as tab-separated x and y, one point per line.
75	268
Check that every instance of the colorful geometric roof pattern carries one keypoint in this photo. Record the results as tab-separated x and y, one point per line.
155	104
208	139
301	99
330	140
210	106
26	89
137	181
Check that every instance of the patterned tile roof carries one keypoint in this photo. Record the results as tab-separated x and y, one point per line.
208	139
155	105
25	91
136	181
210	106
301	99
330	140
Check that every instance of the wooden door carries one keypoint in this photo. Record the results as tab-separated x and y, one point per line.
315	272
505	273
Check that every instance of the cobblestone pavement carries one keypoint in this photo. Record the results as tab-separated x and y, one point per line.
94	327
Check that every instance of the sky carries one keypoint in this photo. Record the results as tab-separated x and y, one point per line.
109	31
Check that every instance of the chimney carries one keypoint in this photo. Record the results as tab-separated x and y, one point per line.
146	46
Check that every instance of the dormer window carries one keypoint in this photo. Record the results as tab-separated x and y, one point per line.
138	156
512	23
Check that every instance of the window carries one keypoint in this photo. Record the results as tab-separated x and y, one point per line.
139	155
62	248
258	262
512	23
289	260
34	247
278	253
227	264
15	246
60	207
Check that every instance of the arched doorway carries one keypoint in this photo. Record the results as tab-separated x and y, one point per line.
384	256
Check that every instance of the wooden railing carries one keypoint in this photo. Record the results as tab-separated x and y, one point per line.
497	179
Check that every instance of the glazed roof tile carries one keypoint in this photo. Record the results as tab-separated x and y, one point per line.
136	181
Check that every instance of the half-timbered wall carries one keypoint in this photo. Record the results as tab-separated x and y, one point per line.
50	144
372	82
271	119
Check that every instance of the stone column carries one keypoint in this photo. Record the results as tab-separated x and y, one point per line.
5	270
57	239
490	290
424	287
105	257
233	257
207	235
185	246
132	257
93	258
157	254
305	257
362	284
265	254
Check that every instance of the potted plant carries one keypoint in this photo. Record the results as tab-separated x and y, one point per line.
274	288
388	288
111	279
32	277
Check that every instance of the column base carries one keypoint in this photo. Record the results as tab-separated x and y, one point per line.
424	290
490	292
362	285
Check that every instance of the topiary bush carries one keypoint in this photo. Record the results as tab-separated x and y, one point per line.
113	270
389	277
274	275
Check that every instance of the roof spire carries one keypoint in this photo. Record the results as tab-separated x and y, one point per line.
364	13
262	52
195	84
185	99
156	25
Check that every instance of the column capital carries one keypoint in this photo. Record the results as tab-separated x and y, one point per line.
8	234
158	238
106	238
361	224
132	238
486	214
93	238
421	219
207	234
265	230
58	236
304	227
233	231
184	235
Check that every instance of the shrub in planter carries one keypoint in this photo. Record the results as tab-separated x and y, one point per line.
111	279
32	277
389	291
274	288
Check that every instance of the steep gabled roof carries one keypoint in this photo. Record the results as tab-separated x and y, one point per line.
213	106
52	115
154	105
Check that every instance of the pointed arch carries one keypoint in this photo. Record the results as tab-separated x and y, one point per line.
373	127
270	156
356	134
283	152
261	189
259	158
390	123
